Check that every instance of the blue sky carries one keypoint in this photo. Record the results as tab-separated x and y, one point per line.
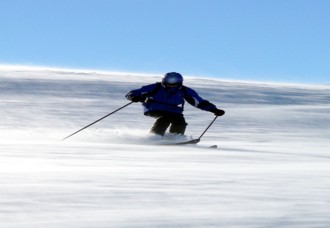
263	40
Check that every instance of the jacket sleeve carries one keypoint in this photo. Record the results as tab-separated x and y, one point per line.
194	99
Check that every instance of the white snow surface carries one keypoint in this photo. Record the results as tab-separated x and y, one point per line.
271	168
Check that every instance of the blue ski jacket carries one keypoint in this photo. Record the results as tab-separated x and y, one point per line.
159	97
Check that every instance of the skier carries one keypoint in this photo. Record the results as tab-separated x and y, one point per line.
165	101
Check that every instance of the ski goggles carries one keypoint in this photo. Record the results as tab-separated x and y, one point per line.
173	84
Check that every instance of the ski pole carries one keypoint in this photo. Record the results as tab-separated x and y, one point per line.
97	120
199	138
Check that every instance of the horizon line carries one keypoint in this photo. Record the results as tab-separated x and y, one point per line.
128	73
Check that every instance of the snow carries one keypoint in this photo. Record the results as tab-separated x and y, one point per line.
271	168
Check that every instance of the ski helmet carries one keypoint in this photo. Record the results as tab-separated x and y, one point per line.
172	79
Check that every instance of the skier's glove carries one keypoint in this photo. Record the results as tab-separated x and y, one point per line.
218	112
133	98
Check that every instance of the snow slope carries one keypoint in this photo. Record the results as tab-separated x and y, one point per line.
271	169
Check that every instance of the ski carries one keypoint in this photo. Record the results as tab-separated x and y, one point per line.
193	141
190	142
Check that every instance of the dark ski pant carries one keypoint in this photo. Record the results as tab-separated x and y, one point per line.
164	119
